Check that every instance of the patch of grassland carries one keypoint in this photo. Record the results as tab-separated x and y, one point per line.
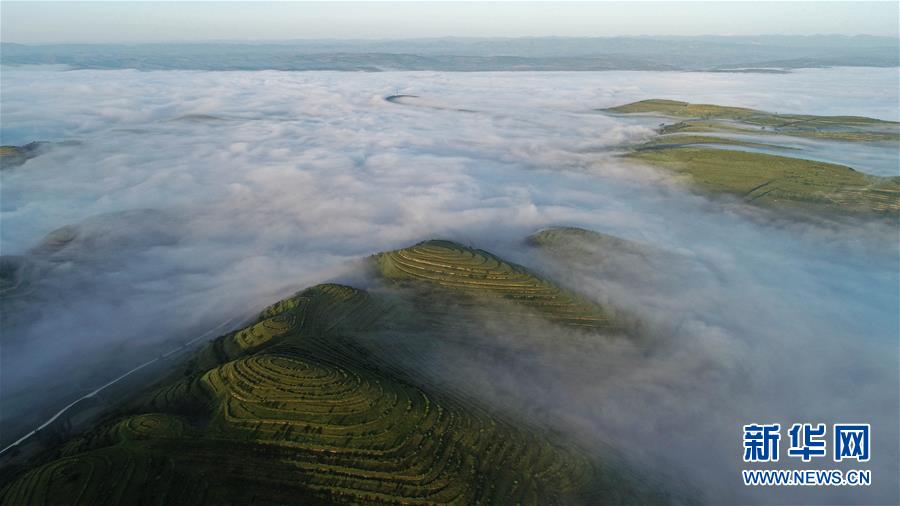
581	256
472	271
13	156
577	250
684	109
292	410
10	151
780	181
763	178
704	126
676	140
709	118
574	243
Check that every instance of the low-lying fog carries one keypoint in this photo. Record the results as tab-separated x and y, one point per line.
198	196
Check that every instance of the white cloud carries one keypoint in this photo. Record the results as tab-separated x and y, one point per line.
289	176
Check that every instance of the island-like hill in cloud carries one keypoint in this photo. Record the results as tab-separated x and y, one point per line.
14	156
710	117
294	408
746	153
477	272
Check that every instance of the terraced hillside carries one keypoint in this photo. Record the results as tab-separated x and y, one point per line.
780	181
292	410
575	244
742	152
716	118
591	258
477	272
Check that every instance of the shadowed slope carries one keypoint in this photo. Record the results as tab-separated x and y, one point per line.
472	271
14	156
291	409
574	244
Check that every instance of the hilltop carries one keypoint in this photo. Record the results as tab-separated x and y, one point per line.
14	156
302	404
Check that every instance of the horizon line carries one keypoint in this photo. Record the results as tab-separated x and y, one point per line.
443	37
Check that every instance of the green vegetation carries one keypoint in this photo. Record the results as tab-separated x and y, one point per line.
13	156
677	140
780	181
762	178
473	271
584	255
292	409
711	118
684	109
577	250
575	244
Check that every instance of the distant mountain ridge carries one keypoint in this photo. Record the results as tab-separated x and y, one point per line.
472	54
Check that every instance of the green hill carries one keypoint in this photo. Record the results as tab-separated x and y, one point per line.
292	409
477	272
762	178
779	181
575	244
13	156
711	118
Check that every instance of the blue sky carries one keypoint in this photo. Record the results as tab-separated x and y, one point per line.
40	21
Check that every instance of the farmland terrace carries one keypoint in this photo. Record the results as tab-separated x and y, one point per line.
293	408
742	152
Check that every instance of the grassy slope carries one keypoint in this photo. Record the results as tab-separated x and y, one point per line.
762	178
13	156
780	181
688	110
708	117
450	265
574	244
291	409
679	140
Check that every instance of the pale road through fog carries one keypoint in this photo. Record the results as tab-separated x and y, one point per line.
184	347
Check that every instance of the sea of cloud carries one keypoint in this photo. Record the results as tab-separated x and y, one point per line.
197	196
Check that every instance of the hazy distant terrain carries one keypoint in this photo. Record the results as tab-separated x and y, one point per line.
757	53
539	287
